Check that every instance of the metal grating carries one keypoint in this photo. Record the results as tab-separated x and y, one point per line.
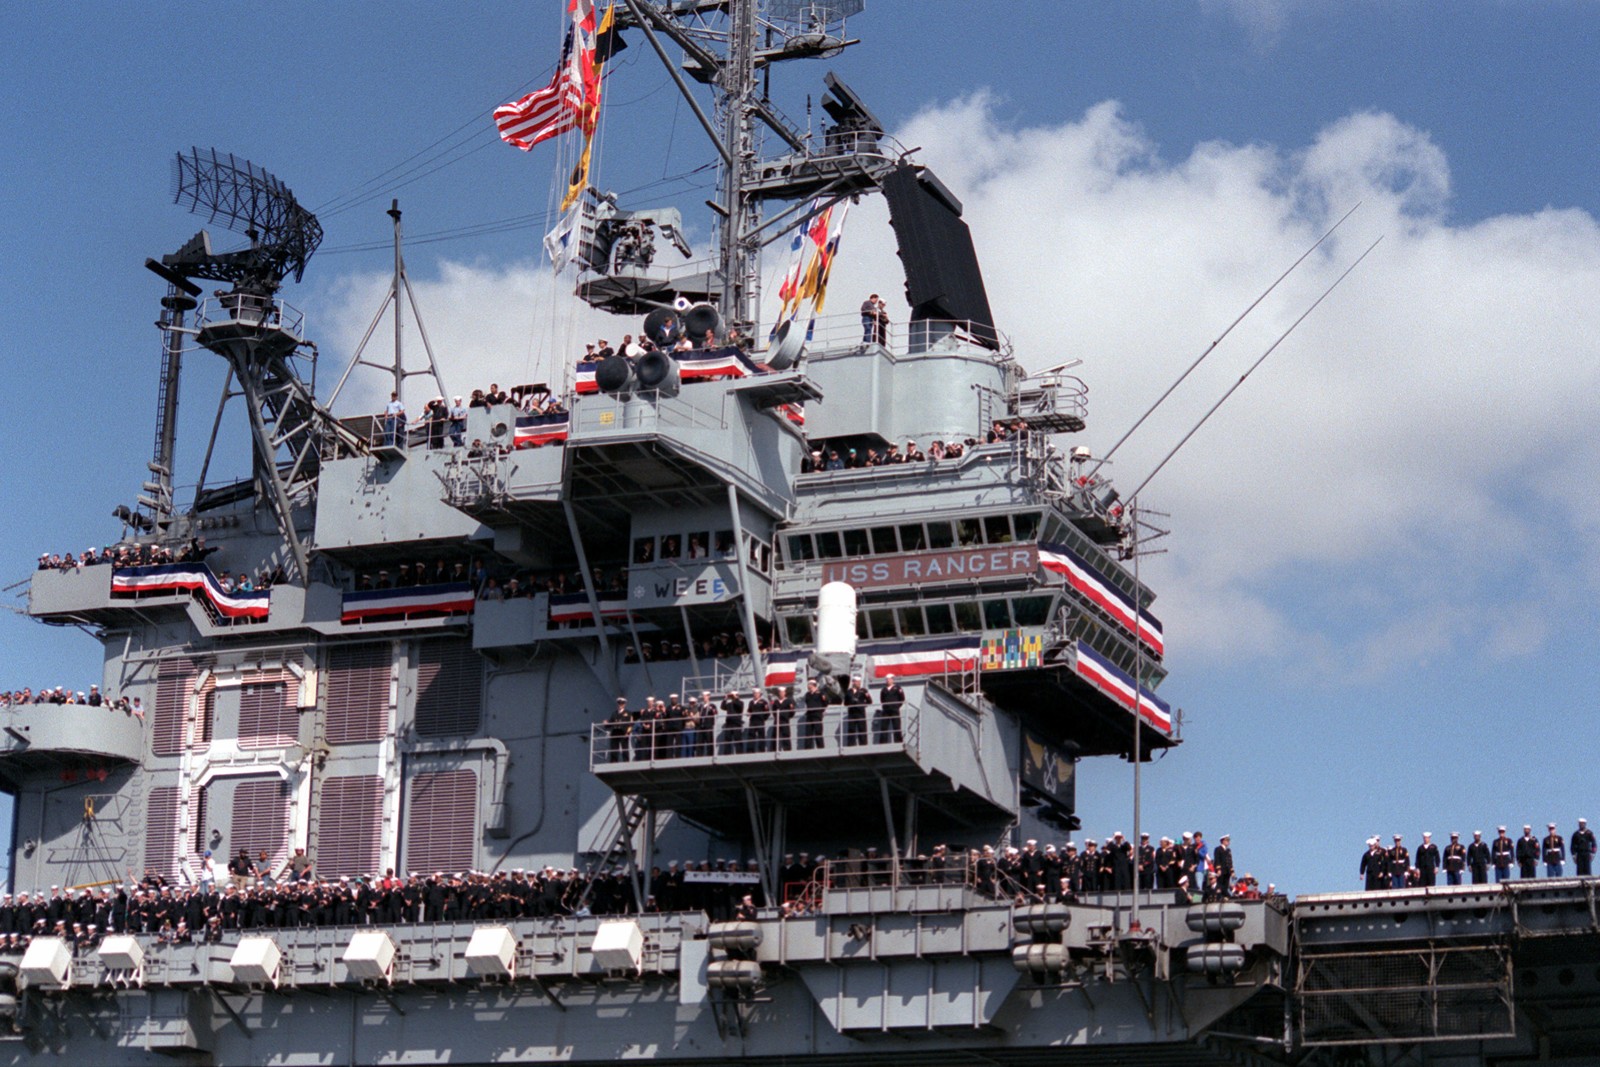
267	715
174	684
260	819
442	821
449	688
358	693
349	825
161	832
1404	996
205	718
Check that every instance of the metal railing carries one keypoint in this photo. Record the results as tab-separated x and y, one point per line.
251	309
958	337
709	741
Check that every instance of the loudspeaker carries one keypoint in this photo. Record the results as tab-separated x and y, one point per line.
664	326
657	371
788	345
700	320
613	374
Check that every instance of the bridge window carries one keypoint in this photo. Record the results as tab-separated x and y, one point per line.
672	547
883	540
1032	610
969	532
799	628
855	543
997	529
911	622
996	615
911	538
967	616
644	549
800	548
699	545
940	536
861	625
828	546
939	619
882	622
1027	525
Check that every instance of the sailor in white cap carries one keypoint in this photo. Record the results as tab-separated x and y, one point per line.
1583	848
1554	847
1427	861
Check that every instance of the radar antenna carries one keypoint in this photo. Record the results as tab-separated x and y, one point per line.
258	335
247	200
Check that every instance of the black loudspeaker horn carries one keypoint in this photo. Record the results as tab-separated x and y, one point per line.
613	374
657	371
664	326
700	320
788	345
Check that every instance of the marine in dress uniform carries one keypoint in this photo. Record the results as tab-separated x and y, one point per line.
1502	852
1455	859
1554	849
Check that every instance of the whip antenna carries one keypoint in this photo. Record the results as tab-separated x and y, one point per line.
1260	360
1201	358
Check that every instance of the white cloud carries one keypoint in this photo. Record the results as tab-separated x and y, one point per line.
1422	445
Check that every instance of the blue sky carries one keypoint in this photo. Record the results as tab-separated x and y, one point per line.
1379	588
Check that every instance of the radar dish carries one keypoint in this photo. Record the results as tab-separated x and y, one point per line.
247	200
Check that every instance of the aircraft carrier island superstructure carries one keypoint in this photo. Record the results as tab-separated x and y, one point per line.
689	522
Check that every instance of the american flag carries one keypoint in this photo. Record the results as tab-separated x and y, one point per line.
571	98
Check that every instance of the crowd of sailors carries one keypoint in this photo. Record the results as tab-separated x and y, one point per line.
443	423
1508	858
92	698
253	894
843	457
150	554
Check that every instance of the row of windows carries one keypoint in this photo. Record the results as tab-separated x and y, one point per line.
702	545
920	620
914	537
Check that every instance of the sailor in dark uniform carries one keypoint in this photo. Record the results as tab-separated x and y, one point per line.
1455	859
758	730
811	719
1583	848
886	728
1478	858
1427	861
1222	864
732	725
1147	861
856	699
1375	865
1527	853
783	714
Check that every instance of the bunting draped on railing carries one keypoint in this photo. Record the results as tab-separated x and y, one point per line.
540	429
1098	671
574	607
370	605
1082	576
194	578
937	655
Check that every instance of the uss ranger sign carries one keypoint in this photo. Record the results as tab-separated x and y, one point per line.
921	568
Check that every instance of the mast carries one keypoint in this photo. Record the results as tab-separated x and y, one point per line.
741	214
